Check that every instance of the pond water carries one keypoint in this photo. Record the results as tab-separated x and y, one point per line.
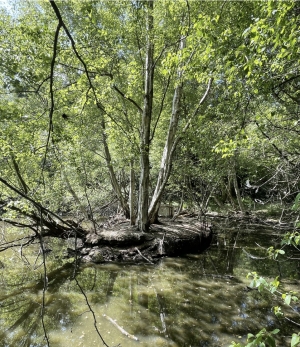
196	300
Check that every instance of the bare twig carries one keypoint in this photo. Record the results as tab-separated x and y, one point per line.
40	85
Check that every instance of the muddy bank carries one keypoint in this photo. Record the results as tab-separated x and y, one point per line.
123	243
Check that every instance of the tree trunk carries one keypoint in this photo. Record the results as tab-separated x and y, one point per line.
166	161
81	207
179	207
114	182
143	221
229	190
132	195
236	187
172	140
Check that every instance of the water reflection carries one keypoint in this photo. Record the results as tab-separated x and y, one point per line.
198	300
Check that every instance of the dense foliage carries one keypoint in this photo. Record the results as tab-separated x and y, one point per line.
73	107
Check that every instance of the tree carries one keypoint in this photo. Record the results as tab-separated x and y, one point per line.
78	78
136	76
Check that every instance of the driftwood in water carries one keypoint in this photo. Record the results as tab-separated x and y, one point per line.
123	331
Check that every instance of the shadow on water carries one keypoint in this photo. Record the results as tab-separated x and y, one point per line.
197	300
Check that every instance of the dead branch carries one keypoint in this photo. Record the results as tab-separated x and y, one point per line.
53	228
14	243
123	331
143	256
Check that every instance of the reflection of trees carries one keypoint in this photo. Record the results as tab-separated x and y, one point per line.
227	253
142	295
162	313
110	283
98	284
244	244
184	300
214	308
222	259
249	247
21	308
181	304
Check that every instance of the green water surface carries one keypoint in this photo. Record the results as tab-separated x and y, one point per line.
196	300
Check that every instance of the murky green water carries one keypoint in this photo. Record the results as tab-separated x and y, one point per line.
198	300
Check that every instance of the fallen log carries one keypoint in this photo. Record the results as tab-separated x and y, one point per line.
117	242
125	244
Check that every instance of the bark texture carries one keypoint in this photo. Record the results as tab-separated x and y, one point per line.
170	145
143	221
132	195
113	179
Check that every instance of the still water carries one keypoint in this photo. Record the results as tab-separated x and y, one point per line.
197	300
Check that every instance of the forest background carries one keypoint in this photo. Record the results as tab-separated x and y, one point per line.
198	100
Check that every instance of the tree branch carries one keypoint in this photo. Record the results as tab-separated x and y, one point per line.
51	94
161	108
18	173
61	22
198	107
44	209
127	98
12	244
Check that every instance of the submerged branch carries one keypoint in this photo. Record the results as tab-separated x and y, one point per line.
143	256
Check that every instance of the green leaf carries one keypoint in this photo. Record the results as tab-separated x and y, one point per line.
275	331
271	341
295	340
287	298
